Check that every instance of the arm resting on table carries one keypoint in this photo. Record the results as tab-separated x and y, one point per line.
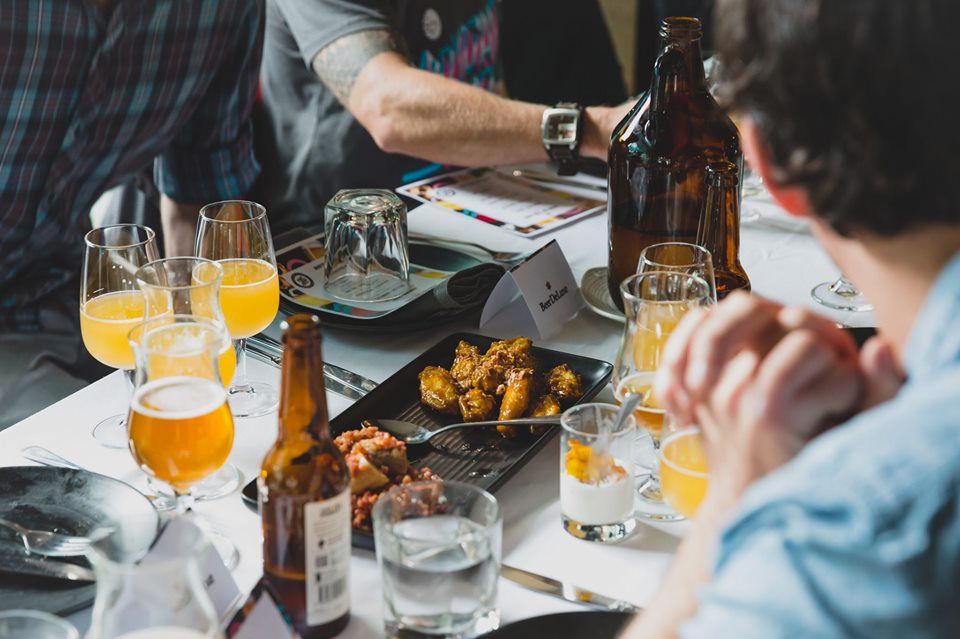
426	115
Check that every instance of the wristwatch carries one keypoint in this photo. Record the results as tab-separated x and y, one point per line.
561	130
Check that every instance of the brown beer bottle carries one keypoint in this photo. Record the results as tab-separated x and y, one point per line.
720	228
304	490
659	153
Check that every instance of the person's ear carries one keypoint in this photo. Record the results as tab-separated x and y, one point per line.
792	198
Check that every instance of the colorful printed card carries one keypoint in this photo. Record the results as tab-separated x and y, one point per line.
517	205
301	281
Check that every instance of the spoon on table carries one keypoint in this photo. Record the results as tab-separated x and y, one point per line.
414	434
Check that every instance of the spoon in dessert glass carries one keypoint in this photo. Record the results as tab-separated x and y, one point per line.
411	433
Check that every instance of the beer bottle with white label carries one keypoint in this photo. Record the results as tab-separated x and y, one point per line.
304	488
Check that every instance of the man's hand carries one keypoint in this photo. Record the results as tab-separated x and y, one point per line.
760	380
179	222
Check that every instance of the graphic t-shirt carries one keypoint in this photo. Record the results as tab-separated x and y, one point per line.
312	146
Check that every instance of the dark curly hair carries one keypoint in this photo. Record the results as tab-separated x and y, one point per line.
857	100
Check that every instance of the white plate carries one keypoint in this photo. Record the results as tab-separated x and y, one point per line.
597	295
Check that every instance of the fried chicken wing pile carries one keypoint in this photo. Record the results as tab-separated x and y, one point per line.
503	383
377	461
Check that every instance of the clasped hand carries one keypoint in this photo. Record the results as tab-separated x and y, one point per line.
761	380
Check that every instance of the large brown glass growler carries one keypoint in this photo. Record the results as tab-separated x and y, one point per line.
720	228
659	153
305	495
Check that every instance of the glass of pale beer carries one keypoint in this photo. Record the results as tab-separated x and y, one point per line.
180	426
236	234
655	302
111	304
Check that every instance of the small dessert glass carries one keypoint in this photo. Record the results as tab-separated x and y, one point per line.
596	473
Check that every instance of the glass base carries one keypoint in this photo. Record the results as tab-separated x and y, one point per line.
749	214
112	432
222	483
652	507
225	548
221	543
374	287
603	533
841	297
424	627
252	400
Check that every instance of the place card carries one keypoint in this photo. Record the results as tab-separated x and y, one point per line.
261	617
547	287
173	543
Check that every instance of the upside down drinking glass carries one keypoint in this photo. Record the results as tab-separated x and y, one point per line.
655	302
111	304
236	234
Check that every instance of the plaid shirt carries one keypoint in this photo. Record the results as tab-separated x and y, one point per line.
87	101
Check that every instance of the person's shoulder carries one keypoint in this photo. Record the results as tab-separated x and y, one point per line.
897	458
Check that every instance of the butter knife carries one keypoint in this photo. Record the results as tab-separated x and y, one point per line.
564	590
30	566
339	380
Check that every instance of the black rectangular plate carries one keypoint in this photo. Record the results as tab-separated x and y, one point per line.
477	456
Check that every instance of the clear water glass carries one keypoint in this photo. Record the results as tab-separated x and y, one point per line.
438	545
367	252
33	624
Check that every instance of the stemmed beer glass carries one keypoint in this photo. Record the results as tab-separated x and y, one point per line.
236	234
680	257
655	302
111	304
181	429
841	295
191	286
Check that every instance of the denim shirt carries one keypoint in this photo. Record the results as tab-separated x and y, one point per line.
859	535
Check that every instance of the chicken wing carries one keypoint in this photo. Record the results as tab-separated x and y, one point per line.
564	384
513	353
477	406
438	390
490	374
464	364
544	406
517	393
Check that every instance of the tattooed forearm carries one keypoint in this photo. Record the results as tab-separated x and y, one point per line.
339	64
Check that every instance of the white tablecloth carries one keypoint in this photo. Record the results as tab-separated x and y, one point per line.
784	263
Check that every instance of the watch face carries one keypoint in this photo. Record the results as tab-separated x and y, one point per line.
561	127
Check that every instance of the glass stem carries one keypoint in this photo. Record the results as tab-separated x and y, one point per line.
184	502
129	376
240	377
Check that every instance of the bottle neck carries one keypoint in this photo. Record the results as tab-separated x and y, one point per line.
303	402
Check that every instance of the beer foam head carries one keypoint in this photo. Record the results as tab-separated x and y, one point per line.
179	398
